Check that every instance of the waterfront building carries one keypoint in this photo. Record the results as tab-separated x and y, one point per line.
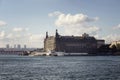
100	43
71	44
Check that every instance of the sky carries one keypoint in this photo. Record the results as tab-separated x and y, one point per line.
26	21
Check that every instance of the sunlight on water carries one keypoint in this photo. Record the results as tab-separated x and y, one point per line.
60	68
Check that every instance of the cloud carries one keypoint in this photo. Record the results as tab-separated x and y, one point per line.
78	30
31	40
112	37
2	23
56	13
37	39
10	36
116	27
19	29
77	19
2	34
76	24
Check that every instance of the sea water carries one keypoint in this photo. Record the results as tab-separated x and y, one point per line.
59	68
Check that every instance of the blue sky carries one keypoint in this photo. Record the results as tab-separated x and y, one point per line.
26	21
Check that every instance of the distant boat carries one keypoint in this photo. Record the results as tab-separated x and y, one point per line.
57	53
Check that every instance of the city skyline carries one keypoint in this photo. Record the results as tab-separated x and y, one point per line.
26	21
19	46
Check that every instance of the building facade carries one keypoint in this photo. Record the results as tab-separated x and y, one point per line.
70	44
100	43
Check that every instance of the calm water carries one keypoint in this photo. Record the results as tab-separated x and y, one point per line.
60	68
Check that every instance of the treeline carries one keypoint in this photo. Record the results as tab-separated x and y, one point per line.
107	49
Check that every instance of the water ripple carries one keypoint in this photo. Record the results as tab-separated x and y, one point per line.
60	68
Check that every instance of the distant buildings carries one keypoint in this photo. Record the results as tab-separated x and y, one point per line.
25	46
15	46
7	46
115	44
100	43
72	44
18	46
15	49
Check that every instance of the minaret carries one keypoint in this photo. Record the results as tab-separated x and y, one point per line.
46	34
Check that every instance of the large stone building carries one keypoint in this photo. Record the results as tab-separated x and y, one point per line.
71	44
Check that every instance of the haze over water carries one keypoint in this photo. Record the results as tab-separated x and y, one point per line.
59	68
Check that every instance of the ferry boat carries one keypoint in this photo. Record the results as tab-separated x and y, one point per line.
57	53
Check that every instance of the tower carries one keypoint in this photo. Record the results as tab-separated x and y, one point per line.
25	46
18	46
56	35
14	45
46	34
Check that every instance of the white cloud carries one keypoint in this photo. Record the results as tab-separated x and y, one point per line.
56	13
116	27
20	35
10	36
78	30
19	29
2	34
36	37
31	40
2	23
36	40
112	37
67	20
76	24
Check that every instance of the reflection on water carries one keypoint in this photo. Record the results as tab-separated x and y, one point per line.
60	68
